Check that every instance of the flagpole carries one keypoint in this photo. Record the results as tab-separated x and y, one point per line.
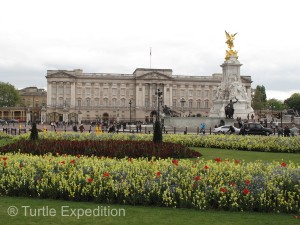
150	57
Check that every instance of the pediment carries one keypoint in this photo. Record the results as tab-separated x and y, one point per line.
153	76
60	74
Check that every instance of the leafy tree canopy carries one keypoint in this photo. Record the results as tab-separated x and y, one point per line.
275	104
259	99
9	95
293	102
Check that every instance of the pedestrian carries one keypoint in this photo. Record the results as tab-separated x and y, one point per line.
202	128
286	131
81	128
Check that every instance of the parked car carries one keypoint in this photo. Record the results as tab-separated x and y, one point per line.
257	129
2	122
12	121
224	129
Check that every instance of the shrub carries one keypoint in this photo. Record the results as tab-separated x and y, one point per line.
108	148
34	135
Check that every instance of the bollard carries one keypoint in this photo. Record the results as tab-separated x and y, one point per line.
210	130
197	130
185	130
174	130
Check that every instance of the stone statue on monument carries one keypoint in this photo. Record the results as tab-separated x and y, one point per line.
229	109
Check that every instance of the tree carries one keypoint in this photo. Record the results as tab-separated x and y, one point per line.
293	102
34	135
275	104
157	133
9	95
259	99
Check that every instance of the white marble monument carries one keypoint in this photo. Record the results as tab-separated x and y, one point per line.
231	88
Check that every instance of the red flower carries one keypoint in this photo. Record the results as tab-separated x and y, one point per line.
197	178
236	161
21	165
4	158
151	162
90	180
218	160
232	184
206	167
72	161
62	162
223	190
246	191
175	162
106	174
78	156
283	164
158	173
4	164
247	182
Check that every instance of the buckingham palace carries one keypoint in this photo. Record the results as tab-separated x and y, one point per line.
75	96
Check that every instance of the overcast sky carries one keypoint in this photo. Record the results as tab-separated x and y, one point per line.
115	36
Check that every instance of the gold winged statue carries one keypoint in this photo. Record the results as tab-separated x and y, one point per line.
229	42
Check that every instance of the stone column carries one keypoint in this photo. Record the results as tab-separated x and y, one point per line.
73	94
49	93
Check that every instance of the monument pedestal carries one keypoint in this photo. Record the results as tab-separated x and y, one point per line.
231	88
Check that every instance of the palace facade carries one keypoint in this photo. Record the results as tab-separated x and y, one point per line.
85	97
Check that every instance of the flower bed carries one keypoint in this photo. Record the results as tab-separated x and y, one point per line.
108	148
247	143
216	184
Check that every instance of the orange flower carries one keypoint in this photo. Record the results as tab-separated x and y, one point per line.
283	164
223	190
175	162
246	191
62	162
106	174
72	161
218	160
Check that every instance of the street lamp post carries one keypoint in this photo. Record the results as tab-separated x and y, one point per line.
130	102
158	93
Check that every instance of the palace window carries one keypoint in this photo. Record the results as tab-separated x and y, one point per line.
206	104
174	102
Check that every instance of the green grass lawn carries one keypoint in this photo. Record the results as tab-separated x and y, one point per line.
134	215
248	156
